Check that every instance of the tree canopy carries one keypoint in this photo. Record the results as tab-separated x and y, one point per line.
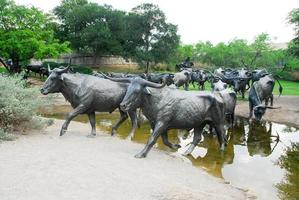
157	39
238	53
142	34
293	18
24	34
90	27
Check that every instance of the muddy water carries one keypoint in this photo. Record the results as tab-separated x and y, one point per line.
250	159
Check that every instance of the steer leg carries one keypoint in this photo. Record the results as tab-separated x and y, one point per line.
92	120
266	101
158	130
186	86
250	109
167	143
134	121
220	134
78	110
123	117
196	139
271	100
243	93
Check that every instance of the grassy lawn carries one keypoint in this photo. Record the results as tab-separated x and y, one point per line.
289	88
3	70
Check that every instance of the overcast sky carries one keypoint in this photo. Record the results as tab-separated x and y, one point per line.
213	20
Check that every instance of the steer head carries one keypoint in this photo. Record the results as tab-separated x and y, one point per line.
135	90
54	81
260	110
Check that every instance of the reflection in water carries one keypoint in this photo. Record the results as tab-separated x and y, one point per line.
251	152
214	160
289	187
259	138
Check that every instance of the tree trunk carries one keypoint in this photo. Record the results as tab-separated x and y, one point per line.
147	67
15	68
5	65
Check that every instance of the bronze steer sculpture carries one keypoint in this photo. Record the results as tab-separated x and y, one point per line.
199	76
168	108
87	95
260	91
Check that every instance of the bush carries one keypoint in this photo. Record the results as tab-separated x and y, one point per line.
19	105
76	68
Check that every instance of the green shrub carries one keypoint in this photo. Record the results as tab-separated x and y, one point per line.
19	105
76	68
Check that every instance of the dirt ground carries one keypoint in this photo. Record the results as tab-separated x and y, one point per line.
46	166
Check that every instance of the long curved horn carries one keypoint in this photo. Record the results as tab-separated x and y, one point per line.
49	69
122	80
60	71
270	107
154	85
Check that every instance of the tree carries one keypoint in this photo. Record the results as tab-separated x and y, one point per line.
288	188
293	18
150	39
24	34
90	27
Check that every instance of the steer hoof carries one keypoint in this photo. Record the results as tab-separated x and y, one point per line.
62	132
222	147
140	155
91	136
186	153
175	146
113	132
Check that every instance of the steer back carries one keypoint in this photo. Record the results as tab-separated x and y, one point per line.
98	94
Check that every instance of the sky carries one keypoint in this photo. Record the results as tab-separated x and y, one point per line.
212	20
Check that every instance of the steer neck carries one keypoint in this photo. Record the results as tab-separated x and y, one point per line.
256	100
69	87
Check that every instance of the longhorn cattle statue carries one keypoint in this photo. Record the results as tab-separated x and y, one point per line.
260	91
88	94
167	108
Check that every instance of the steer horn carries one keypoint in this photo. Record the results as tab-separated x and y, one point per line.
49	69
270	107
60	71
122	80
154	85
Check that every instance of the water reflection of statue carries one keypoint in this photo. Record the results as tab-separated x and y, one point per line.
239	131
213	161
259	139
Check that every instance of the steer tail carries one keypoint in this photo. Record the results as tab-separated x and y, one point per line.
280	87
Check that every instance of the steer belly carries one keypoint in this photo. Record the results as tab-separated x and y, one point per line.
190	113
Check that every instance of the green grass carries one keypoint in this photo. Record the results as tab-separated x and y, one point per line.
3	70
290	88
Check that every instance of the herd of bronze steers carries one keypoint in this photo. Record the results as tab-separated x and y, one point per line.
161	101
